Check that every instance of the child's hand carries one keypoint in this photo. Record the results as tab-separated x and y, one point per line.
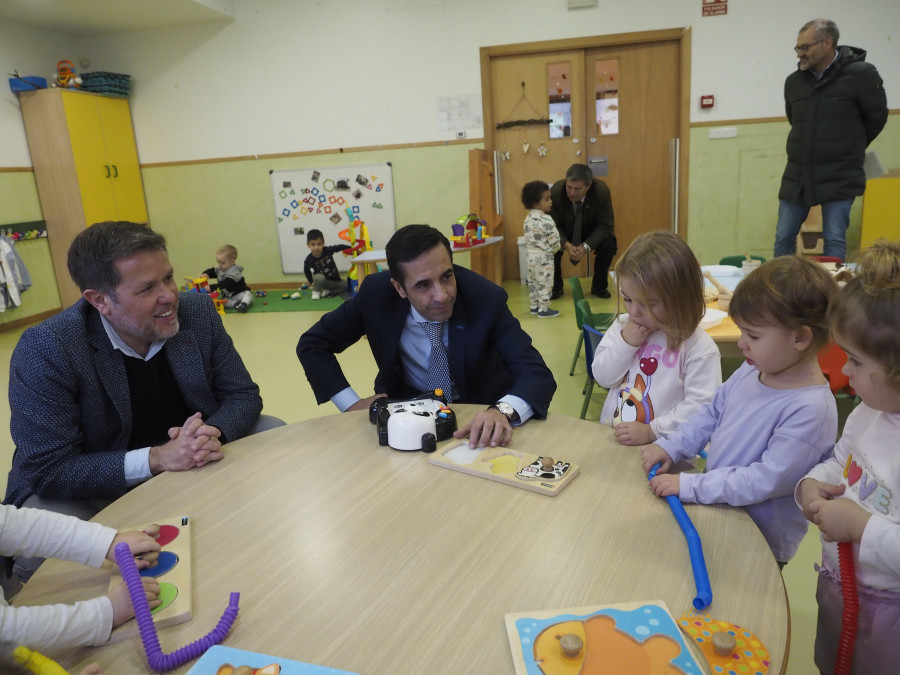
634	433
634	334
143	545
121	601
666	485
811	490
653	454
839	519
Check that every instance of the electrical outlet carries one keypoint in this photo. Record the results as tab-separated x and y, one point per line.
461	133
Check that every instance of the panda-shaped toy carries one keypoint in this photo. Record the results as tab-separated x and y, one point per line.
413	424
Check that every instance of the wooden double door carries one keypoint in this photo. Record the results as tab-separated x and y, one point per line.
618	103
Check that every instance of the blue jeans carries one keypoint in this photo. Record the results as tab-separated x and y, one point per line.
835	220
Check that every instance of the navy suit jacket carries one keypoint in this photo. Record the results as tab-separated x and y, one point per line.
70	406
490	354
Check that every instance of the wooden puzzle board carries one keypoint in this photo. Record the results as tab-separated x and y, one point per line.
504	465
638	637
173	571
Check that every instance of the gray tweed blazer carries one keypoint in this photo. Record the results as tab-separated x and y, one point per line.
70	406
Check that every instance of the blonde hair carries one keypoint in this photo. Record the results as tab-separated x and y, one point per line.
664	268
788	291
227	250
867	310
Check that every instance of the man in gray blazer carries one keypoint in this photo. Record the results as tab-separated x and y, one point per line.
133	379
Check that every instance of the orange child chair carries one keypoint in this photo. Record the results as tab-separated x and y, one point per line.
831	360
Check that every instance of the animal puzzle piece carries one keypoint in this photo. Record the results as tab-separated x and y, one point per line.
596	646
543	468
727	648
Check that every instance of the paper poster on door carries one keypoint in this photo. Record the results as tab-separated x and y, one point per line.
715	7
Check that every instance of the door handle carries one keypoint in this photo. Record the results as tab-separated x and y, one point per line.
107	170
116	170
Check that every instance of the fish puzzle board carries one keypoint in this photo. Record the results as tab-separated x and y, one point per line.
173	571
222	660
536	473
635	638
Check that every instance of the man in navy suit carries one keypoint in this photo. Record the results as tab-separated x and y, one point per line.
132	380
491	359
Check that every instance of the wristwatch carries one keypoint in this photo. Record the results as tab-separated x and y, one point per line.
508	410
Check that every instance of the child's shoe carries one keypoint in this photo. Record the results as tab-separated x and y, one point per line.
316	295
547	313
241	307
534	310
325	293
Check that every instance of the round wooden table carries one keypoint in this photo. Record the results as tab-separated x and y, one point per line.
359	557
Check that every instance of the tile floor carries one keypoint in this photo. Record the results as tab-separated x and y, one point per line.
267	343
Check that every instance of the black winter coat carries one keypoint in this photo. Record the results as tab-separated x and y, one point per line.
833	120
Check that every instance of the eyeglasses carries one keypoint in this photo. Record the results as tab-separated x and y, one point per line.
802	49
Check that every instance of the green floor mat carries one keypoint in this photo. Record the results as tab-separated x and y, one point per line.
273	301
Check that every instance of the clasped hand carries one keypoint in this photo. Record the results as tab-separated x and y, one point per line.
194	444
837	519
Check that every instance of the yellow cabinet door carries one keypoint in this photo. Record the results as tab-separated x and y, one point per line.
121	152
89	154
106	161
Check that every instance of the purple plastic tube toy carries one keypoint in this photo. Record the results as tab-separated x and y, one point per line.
155	657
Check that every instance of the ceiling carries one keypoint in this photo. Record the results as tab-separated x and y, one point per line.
88	18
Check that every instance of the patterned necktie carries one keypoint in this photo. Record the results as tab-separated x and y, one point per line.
438	366
576	229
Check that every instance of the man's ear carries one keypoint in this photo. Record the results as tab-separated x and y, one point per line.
398	287
98	299
803	338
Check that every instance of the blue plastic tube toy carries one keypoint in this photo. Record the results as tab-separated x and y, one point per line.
695	548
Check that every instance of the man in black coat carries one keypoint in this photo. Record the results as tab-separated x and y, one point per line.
583	213
836	105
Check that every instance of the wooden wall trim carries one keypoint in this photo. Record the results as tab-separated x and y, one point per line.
312	153
16	324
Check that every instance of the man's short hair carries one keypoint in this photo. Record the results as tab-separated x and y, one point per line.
824	28
95	251
581	173
313	235
408	243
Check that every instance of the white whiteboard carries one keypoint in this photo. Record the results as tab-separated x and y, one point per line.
318	198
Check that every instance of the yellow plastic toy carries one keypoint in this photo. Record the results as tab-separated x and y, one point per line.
37	663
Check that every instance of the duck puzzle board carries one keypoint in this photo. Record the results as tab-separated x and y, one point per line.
173	571
634	638
221	660
536	473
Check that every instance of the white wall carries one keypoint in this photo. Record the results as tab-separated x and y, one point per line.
290	76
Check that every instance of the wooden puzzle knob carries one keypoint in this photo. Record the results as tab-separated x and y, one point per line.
546	463
724	643
571	644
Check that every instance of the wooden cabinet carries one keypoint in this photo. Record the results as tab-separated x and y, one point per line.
85	166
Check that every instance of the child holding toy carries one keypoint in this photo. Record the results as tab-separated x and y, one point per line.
774	419
541	241
320	268
852	495
36	532
659	365
230	279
